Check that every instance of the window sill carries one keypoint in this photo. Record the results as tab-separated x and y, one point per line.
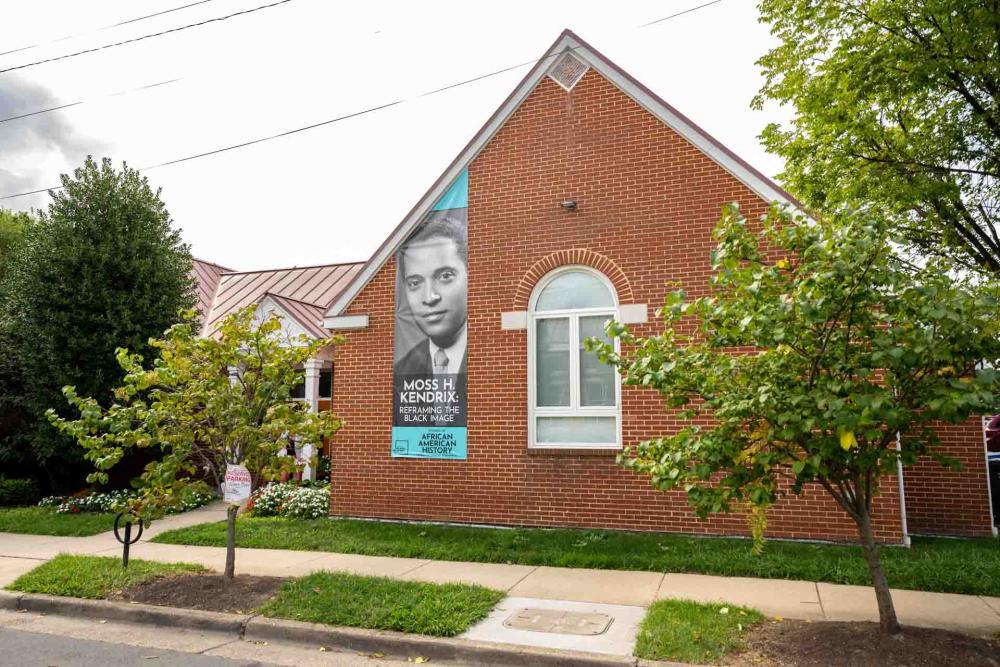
574	451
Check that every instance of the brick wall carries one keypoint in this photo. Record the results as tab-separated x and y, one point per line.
648	201
945	502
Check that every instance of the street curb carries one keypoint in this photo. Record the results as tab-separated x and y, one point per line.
134	613
435	648
258	628
9	600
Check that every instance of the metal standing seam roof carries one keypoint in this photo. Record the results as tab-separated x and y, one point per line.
303	292
309	315
206	276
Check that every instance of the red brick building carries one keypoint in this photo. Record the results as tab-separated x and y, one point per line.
581	171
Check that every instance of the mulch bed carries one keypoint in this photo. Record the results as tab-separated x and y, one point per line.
828	644
209	592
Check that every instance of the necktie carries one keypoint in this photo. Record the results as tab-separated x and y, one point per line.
440	361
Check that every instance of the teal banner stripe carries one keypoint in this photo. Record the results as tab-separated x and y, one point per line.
429	442
457	195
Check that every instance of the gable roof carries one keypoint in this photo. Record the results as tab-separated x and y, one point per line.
206	276
308	315
567	42
303	292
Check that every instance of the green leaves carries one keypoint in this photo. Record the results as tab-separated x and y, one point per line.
102	268
205	402
806	371
895	115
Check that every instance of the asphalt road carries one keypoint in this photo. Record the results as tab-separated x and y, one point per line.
54	640
28	649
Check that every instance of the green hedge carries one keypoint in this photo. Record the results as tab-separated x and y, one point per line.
14	492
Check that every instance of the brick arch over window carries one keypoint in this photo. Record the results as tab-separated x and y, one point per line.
577	256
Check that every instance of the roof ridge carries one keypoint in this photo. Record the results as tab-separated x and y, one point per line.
288	298
294	268
225	269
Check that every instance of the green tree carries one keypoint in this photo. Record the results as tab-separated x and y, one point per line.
13	226
206	403
897	113
102	268
851	347
12	229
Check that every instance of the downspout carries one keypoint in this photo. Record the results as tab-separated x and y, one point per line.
989	489
902	492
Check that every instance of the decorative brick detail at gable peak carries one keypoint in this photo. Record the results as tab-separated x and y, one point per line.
574	257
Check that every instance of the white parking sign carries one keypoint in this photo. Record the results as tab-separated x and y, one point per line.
237	485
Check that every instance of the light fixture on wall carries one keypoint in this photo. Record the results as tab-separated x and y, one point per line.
569	204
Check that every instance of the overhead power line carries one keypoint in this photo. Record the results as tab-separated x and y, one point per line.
274	136
235	146
106	27
79	102
686	11
143	37
345	117
73	104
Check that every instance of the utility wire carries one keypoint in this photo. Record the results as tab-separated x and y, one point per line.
235	146
139	39
686	11
77	103
106	27
302	129
340	118
273	136
72	104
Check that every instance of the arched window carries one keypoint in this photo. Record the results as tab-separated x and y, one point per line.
574	399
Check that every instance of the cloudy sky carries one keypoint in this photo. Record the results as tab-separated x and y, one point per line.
330	194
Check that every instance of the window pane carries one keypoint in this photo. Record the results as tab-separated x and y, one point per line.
597	380
574	289
326	383
552	368
577	430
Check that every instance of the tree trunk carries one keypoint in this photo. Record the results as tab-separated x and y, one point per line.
231	541
886	610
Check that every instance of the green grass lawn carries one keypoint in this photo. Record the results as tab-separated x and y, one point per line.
443	610
92	576
45	521
690	632
932	564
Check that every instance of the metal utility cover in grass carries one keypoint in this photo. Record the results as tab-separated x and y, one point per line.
559	621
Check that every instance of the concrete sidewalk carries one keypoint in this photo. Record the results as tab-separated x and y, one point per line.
775	597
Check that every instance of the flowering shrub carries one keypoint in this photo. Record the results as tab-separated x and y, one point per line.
309	503
299	502
193	500
109	501
270	500
94	502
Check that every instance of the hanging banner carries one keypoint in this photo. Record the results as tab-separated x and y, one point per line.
429	363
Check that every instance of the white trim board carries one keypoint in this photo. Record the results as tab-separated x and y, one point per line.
759	184
345	322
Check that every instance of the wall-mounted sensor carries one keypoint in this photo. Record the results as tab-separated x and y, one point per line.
569	204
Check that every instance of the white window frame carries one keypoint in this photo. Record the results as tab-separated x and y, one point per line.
574	409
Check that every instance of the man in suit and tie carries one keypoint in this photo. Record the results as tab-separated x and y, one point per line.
434	270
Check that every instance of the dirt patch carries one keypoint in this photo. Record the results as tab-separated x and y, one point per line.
827	644
209	592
